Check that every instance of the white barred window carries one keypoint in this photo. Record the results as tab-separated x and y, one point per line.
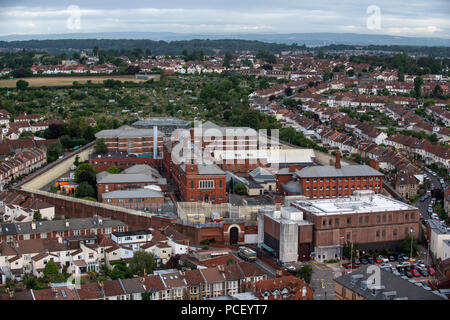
206	184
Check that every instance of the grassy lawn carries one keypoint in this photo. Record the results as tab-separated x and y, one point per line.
67	81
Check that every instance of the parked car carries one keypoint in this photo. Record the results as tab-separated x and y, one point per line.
423	272
377	259
415	273
409	274
371	260
356	261
351	266
364	261
391	258
431	271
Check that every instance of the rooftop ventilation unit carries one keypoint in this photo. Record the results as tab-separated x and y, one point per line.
364	284
355	277
389	295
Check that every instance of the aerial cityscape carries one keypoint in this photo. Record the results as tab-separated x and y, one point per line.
161	151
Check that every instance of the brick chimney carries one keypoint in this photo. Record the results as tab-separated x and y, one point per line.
375	164
338	160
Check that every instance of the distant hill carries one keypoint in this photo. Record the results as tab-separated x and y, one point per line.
309	39
210	45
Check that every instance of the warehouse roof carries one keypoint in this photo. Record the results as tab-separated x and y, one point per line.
126	132
136	193
332	171
126	178
162	121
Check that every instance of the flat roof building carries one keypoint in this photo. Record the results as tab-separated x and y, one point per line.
372	220
357	285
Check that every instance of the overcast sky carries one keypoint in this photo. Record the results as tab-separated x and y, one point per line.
430	18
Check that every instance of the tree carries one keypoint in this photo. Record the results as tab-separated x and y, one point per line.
305	273
31	283
146	295
351	73
100	147
347	249
54	150
227	60
76	163
21	85
405	246
37	215
84	190
89	133
113	170
88	177
437	91
418	81
240	189
55	131
51	271
84	167
142	263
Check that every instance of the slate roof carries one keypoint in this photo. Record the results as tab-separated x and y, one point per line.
56	225
133	285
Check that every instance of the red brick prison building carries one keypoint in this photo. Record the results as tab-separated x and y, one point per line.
372	220
328	182
121	160
200	183
133	141
147	199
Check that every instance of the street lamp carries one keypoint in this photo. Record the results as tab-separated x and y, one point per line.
411	231
342	248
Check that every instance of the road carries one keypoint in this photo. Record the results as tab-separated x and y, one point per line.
271	272
423	206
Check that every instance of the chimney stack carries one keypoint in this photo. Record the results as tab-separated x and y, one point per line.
375	164
338	160
67	223
155	142
33	225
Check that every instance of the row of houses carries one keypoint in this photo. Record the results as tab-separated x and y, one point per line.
77	254
237	281
15	207
21	164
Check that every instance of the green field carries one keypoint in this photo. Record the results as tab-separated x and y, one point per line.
67	81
